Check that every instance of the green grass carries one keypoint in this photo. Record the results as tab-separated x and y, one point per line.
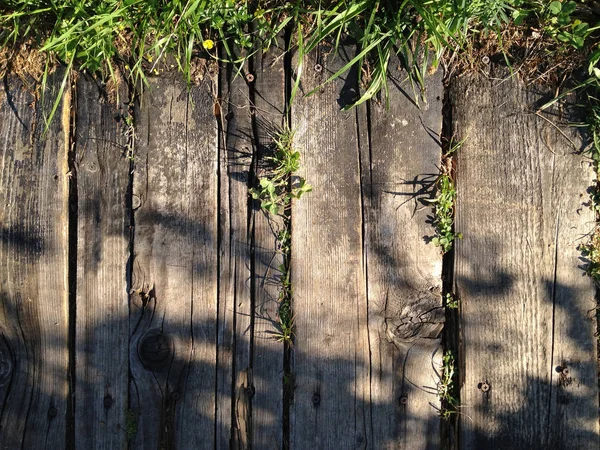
135	36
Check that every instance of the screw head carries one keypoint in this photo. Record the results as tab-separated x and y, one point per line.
485	59
249	77
404	399
484	387
318	68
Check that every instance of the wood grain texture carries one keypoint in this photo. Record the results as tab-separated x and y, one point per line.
174	286
234	401
33	267
267	403
400	159
525	302
102	308
331	352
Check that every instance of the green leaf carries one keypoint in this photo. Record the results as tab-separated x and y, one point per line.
555	7
568	8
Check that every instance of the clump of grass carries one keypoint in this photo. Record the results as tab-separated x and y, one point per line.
136	35
449	403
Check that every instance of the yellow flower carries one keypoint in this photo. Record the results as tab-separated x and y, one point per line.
208	44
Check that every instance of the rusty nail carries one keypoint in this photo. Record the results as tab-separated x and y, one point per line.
249	78
318	68
403	400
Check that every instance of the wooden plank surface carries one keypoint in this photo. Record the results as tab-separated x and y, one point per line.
400	159
174	286
103	230
331	351
268	91
234	376
34	216
525	302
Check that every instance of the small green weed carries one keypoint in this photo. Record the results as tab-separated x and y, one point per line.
444	213
131	427
285	331
276	189
445	387
451	302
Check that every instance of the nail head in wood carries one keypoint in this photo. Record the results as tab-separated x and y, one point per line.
316	399
403	400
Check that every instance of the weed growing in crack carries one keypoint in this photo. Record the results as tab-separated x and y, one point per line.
445	387
131	426
444	214
277	187
451	302
444	203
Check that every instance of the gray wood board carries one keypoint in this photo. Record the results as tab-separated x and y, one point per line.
400	159
34	218
267	362
331	350
102	301
173	305
525	302
234	377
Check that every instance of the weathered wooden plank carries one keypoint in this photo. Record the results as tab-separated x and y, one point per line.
400	159
174	300
235	285
268	365
103	228
331	352
524	298
34	354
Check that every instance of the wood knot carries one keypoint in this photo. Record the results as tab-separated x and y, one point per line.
155	349
52	413
108	401
6	364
